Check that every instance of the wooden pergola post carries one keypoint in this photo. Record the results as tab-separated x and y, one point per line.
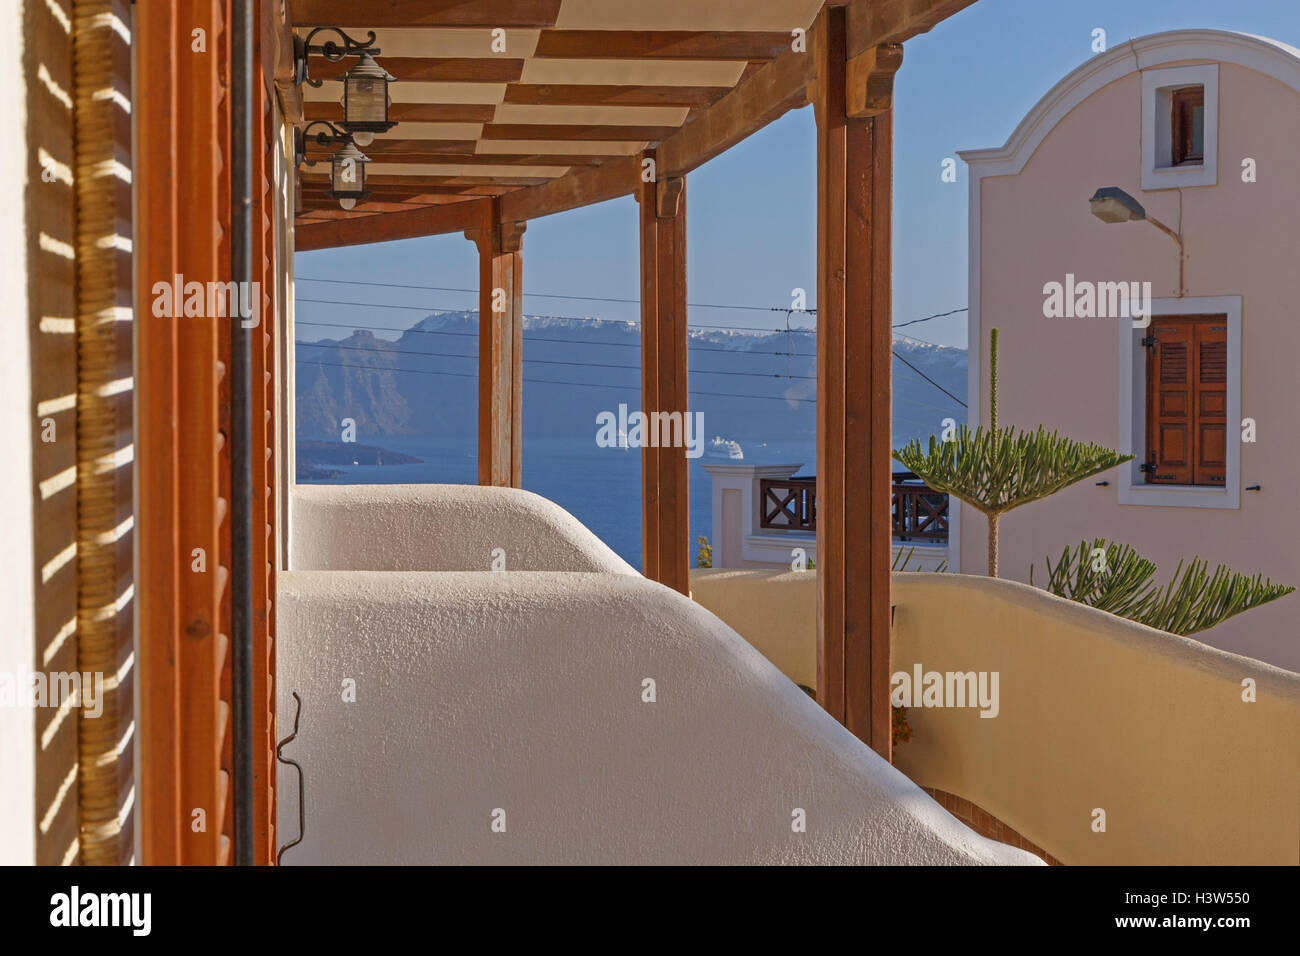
501	347
854	181
665	497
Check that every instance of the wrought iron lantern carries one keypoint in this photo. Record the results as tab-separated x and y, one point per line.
365	85
347	164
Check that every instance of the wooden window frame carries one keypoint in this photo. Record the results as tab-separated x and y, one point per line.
1182	148
1201	475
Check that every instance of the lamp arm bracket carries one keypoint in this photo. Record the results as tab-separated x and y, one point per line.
1166	230
331	50
335	135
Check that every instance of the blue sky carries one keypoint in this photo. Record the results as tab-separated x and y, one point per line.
751	212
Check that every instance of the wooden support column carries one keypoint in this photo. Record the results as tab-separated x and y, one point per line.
665	498
854	184
501	348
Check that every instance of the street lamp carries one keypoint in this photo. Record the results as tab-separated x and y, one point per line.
1112	204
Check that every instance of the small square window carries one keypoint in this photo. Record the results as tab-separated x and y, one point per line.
1180	127
1187	130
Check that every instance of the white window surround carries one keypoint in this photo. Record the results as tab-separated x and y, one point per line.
1131	437
1157	85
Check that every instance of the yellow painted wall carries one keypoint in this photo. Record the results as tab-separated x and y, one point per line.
1095	712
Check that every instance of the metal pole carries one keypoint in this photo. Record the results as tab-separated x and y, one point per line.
241	424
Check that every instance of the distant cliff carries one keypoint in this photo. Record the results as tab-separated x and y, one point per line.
748	384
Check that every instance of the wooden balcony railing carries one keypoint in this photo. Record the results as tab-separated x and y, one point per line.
919	512
788	504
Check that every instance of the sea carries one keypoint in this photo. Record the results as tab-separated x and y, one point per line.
601	487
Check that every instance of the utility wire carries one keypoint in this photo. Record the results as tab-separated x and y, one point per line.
547	295
937	315
930	380
593	365
547	381
621	345
595	298
634	368
578	342
427	309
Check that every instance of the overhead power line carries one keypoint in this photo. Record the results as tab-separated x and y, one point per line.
546	295
547	381
532	338
778	331
596	298
633	368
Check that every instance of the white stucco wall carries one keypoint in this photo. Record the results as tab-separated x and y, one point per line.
17	641
522	692
439	528
1030	224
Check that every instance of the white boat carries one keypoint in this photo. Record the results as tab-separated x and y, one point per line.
725	448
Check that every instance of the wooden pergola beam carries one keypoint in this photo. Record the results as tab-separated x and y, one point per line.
596	184
869	80
420	69
770	92
412	113
428	221
873	22
576	132
425	13
277	31
662	44
583	94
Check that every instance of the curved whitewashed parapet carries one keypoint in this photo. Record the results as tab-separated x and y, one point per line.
1096	712
518	696
439	528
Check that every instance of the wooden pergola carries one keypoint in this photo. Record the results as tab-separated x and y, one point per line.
508	110
590	100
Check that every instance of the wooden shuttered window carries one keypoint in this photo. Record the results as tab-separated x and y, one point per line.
1187	126
1187	400
183	117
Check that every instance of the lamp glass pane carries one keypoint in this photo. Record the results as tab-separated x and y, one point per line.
367	100
348	176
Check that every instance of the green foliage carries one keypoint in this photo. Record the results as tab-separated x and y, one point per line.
904	558
704	554
995	471
1114	577
900	731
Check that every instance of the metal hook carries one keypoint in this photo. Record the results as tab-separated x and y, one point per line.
302	818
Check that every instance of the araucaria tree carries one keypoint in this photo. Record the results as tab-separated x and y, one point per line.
1114	577
996	469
